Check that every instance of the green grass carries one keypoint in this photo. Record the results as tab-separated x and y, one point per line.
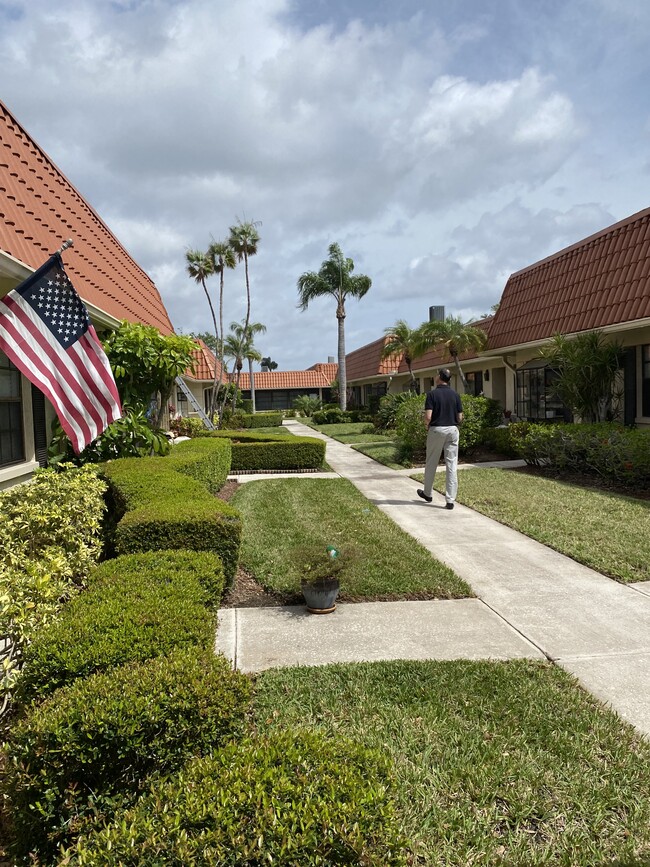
497	763
277	431
336	430
607	532
386	453
283	516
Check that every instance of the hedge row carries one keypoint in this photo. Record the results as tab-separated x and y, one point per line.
90	748
250	420
205	461
292	798
136	607
251	451
607	450
158	508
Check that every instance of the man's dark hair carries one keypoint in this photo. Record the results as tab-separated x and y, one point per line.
445	374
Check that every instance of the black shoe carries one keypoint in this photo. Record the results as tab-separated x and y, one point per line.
424	496
449	505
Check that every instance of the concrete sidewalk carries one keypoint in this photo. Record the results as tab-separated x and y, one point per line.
532	602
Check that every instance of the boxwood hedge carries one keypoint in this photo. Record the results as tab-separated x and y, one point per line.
208	461
288	799
253	451
137	607
158	508
91	746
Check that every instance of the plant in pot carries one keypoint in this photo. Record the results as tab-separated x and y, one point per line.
321	569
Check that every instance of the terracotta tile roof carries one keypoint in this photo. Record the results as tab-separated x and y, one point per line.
265	380
205	364
600	281
367	361
39	209
328	369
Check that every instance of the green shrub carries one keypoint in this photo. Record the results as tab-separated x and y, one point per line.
306	405
247	405
479	414
410	428
253	451
386	416
499	439
158	508
185	427
605	449
90	748
331	415
50	536
293	798
137	607
245	421
208	461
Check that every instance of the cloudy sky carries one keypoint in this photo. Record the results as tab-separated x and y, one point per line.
442	144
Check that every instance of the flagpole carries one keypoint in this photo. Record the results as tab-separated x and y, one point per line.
64	246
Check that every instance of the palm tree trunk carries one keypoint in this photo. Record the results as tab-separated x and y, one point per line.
213	399
459	370
252	378
248	292
343	384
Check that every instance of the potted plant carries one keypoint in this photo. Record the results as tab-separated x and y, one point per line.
321	568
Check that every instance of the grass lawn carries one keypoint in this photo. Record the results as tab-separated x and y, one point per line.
385	453
607	532
277	430
282	516
496	763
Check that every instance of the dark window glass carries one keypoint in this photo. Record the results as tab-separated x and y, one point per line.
12	442
535	398
645	381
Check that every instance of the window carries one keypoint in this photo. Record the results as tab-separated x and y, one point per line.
475	382
535	399
12	443
645	380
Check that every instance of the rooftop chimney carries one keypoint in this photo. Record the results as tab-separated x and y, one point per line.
436	314
331	359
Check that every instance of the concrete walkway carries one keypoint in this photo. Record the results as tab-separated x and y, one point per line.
531	602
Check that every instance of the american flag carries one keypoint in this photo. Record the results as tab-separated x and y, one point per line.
45	330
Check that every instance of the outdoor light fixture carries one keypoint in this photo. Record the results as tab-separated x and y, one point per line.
486	376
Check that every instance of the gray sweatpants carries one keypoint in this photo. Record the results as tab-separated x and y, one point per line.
439	439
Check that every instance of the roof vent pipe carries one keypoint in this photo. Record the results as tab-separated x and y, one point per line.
436	314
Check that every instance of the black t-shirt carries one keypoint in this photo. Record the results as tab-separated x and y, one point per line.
445	405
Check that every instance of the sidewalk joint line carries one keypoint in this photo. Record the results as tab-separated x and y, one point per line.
517	630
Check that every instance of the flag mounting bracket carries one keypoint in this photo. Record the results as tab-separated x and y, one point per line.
64	246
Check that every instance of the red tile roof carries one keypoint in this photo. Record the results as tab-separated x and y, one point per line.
329	370
205	363
39	209
265	380
600	281
366	361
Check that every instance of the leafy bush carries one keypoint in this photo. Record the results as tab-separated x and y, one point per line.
499	439
137	607
386	416
157	508
251	451
306	405
410	428
50	536
90	747
185	427
246	421
293	798
131	436
605	449
479	414
331	415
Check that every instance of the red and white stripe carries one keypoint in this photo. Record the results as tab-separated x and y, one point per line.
77	380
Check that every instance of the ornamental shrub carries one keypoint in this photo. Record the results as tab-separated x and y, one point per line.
91	746
183	426
290	798
257	451
409	424
50	536
208	461
386	417
137	607
157	508
479	415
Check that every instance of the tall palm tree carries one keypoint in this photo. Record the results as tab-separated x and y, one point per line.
404	341
243	240
234	347
457	337
200	267
268	363
249	352
334	278
221	256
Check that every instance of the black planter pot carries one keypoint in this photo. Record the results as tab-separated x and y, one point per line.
320	595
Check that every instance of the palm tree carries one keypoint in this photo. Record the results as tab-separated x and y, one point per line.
457	337
234	347
243	240
200	267
334	278
268	363
221	256
404	341
247	335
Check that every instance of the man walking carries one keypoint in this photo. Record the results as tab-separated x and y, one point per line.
443	412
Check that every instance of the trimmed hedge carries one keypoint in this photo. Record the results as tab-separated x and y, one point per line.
207	461
292	798
138	607
249	420
605	449
90	748
251	451
158	508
